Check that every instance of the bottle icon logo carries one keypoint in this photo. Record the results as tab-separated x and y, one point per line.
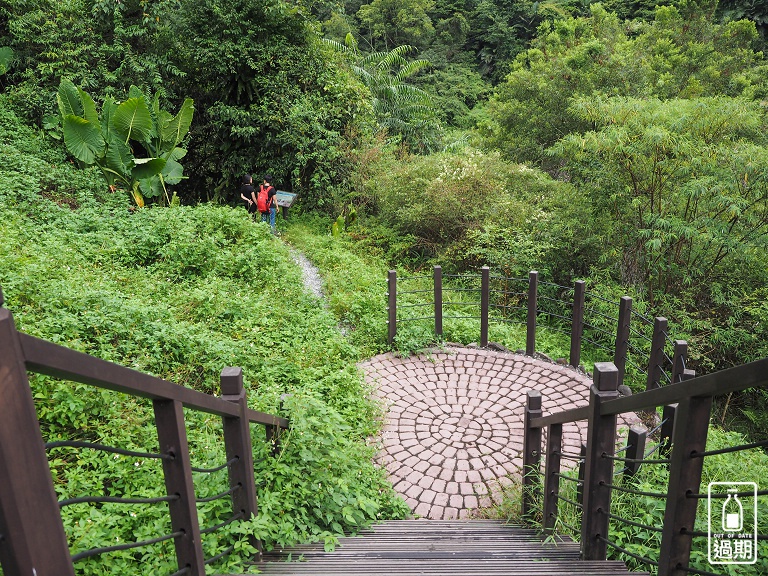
733	512
732	519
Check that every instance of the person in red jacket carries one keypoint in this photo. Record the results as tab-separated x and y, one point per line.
267	203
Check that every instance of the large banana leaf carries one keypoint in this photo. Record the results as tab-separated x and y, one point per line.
83	139
107	112
173	172
133	121
89	108
147	167
118	158
177	154
174	131
152	187
68	98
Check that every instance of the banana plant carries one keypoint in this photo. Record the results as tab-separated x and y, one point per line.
134	143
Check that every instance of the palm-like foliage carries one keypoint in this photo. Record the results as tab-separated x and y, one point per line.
402	109
124	129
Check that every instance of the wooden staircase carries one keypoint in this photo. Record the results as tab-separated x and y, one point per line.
430	547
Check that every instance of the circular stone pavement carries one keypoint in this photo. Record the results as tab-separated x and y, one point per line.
454	422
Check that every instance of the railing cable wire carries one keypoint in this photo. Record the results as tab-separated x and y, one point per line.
116	500
633	523
222	524
633	491
634	460
97	551
104	448
728	450
570	456
627	552
219	556
217	468
571	502
221	494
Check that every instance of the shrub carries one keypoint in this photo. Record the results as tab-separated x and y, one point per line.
182	293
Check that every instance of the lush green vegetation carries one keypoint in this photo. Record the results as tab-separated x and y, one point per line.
650	511
181	293
622	143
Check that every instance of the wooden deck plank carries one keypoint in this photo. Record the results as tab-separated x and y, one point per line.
431	548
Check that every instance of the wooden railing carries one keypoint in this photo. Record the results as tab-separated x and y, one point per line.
681	446
614	329
32	535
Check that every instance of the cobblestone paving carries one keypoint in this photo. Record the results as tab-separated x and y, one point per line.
453	435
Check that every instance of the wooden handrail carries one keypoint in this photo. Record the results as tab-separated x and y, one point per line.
58	361
683	435
33	539
730	380
571	415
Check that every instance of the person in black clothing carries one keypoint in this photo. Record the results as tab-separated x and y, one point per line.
247	194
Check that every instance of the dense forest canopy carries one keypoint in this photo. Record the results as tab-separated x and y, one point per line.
643	126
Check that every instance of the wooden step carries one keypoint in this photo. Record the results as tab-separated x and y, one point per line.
431	548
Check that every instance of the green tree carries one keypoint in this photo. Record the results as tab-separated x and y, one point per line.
754	10
272	97
683	53
402	109
104	45
683	182
391	23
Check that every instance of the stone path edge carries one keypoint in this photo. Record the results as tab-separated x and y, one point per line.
452	436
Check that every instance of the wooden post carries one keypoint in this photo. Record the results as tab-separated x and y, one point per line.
392	307
551	478
531	454
621	348
237	443
33	540
577	325
533	289
172	436
679	357
582	467
689	437
635	449
657	353
485	298
599	471
438	282
668	415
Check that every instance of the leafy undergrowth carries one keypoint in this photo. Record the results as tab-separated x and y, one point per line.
181	293
647	510
354	283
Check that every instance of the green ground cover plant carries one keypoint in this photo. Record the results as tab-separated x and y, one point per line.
182	293
354	283
745	466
